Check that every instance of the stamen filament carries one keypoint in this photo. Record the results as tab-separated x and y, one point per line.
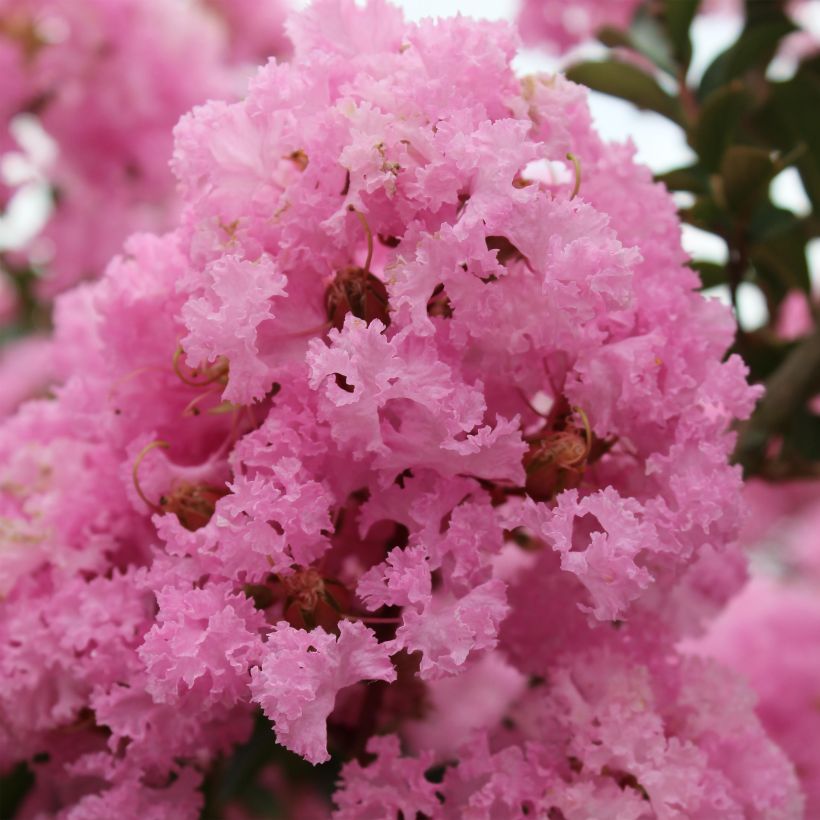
577	163
587	429
132	375
369	235
135	472
217	375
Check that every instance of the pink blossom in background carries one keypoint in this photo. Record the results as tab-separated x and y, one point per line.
391	415
256	30
26	370
108	80
769	634
775	511
795	318
560	25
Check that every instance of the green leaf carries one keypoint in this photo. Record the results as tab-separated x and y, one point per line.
810	67
779	267
678	15
754	48
763	353
238	778
718	121
771	222
649	38
763	12
711	273
745	173
802	436
791	120
777	252
690	178
613	37
707	215
644	36
626	82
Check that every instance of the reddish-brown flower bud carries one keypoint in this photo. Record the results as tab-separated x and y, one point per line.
356	291
556	459
439	303
311	600
192	504
555	463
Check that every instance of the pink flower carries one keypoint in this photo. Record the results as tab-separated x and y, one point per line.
385	408
108	82
390	785
203	641
563	25
302	672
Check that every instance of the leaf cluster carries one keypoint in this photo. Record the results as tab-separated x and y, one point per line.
744	127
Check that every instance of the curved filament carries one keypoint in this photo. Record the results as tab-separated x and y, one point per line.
135	472
217	374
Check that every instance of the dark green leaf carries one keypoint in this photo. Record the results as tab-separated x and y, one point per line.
707	215
802	437
649	38
763	12
770	222
810	67
781	265
745	173
763	354
778	253
646	37
613	37
690	178
792	119
678	15
238	778
754	48
711	273
628	83
718	121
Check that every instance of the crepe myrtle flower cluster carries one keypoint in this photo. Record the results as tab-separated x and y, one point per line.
413	436
108	80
